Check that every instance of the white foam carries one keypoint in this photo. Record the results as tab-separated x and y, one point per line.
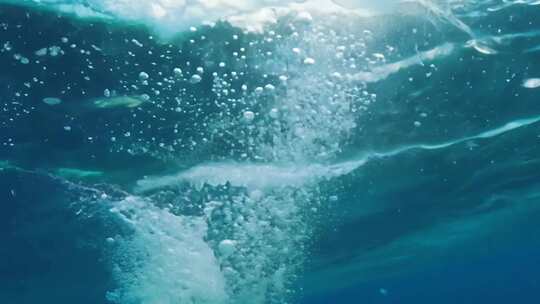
166	260
251	175
173	16
384	71
272	176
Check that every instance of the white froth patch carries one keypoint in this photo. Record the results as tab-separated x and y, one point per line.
173	16
166	260
252	176
304	11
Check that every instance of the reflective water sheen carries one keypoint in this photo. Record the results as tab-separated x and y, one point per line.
319	151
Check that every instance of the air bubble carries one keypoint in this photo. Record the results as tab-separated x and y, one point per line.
274	113
249	116
52	101
227	248
143	76
195	79
309	61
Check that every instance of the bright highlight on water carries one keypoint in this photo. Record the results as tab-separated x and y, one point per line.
269	152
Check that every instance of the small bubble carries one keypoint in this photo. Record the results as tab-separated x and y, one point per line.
249	116
309	61
143	76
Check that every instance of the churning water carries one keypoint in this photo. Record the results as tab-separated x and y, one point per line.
269	151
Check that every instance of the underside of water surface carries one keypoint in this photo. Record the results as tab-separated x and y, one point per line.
265	152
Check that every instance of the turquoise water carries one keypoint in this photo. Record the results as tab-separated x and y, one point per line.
165	152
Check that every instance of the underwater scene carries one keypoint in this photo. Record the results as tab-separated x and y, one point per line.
269	151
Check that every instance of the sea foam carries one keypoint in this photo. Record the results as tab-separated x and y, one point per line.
169	17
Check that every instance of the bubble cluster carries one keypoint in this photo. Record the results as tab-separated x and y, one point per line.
282	96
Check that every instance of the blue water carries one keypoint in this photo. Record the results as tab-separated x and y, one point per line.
496	277
283	153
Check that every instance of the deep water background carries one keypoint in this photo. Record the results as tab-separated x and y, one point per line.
48	254
452	225
497	277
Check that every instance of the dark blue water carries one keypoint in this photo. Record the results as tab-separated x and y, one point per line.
499	277
350	159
